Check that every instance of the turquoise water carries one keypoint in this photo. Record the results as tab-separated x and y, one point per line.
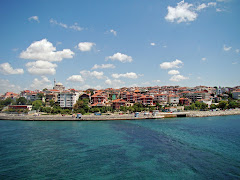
181	148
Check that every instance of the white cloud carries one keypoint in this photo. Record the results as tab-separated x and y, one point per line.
41	68
45	51
15	49
164	46
225	48
173	64
237	50
103	66
152	44
204	59
114	32
156	81
41	83
6	86
178	78
116	83
52	21
183	12
74	27
75	78
7	69
173	72
201	6
120	57
95	74
85	46
130	75
34	18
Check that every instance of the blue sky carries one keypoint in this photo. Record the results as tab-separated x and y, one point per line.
103	44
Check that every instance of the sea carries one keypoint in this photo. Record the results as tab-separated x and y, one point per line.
176	148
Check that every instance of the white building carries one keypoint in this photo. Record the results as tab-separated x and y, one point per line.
67	99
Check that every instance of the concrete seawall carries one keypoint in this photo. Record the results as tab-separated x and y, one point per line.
4	116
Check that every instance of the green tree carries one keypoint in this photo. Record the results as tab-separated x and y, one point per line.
21	101
213	106
233	104
37	104
8	101
51	103
223	104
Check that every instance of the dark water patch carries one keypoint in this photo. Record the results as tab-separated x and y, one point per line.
167	149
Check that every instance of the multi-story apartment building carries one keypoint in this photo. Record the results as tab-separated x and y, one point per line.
67	99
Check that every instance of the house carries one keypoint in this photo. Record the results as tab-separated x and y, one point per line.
116	104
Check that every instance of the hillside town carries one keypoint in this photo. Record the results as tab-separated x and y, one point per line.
165	98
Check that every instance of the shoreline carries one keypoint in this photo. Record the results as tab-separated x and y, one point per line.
161	115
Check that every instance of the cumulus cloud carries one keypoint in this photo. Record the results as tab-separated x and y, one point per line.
103	66
33	18
41	83
178	78
170	65
130	75
7	69
45	51
6	86
120	57
237	50
185	12
95	74
74	27
85	46
225	48
173	72
113	32
75	78
204	59
41	68
152	44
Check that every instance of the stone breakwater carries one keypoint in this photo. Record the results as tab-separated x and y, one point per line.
213	113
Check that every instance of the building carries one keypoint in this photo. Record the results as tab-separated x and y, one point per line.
161	98
67	99
236	94
28	107
58	86
98	98
173	99
146	100
116	104
184	101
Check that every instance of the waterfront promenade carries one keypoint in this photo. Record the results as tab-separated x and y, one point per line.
161	115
